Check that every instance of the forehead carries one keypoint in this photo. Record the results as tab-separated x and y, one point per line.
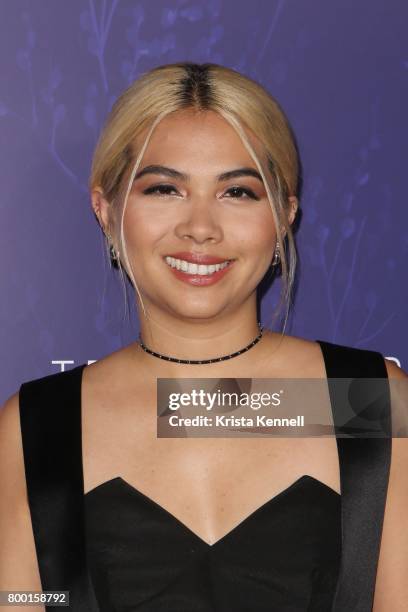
200	138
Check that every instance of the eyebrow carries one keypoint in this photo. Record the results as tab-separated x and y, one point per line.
172	173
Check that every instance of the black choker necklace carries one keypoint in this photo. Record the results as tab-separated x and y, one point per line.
202	361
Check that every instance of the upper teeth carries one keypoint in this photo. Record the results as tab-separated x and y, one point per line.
193	268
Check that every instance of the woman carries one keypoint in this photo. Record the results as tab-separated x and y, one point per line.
197	166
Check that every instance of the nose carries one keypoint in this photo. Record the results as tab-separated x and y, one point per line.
199	222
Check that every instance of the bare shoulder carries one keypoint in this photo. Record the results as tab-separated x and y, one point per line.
110	374
306	356
399	455
391	592
109	385
395	371
295	356
12	472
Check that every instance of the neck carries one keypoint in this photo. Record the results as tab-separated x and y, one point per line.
199	341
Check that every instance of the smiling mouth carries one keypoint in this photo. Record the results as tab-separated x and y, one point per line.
197	269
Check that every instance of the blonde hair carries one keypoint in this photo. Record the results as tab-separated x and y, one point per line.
240	101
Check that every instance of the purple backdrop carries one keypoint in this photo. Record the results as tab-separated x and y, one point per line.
339	69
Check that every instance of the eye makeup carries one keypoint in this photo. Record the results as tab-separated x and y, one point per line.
238	192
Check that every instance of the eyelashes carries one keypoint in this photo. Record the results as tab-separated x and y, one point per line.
242	190
159	189
236	192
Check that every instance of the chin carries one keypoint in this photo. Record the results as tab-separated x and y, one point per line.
195	312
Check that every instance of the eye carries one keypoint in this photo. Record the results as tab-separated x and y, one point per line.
238	192
160	189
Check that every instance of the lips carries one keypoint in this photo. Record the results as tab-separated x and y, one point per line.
201	280
198	258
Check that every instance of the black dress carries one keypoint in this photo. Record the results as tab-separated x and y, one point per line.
116	550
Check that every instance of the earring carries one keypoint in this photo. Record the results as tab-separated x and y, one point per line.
276	257
114	256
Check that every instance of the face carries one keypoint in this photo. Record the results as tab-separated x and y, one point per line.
197	191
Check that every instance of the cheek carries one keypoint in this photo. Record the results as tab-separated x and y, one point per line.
143	228
256	235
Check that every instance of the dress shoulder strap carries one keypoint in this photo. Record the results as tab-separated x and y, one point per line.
50	420
364	471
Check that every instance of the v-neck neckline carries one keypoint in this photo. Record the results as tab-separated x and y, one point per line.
243	524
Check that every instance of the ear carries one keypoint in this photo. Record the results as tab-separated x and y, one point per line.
101	208
293	206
